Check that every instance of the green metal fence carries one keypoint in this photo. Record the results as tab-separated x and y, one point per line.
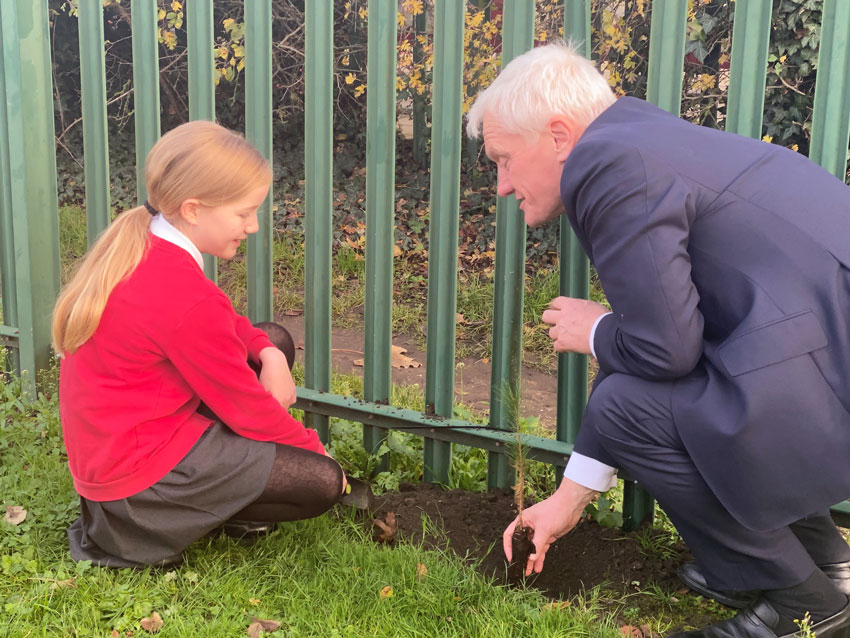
29	255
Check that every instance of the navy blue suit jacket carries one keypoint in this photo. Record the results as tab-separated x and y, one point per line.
726	261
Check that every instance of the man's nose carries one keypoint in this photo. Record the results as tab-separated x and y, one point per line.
503	184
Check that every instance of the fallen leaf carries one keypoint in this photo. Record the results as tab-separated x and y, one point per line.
254	630
267	625
254	601
421	572
59	584
293	313
152	624
555	606
387	592
630	631
399	360
388	527
15	514
115	633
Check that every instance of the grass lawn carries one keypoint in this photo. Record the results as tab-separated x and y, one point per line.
316	578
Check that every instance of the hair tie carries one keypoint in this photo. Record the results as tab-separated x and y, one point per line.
153	211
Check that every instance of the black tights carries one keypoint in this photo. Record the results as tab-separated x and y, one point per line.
302	484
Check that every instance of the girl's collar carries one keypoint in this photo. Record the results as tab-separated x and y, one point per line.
162	228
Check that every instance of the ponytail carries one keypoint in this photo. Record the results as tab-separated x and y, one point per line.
199	160
112	257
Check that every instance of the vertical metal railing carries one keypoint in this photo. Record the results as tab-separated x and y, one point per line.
318	189
95	137
667	54
748	73
29	200
199	45
517	38
446	136
380	198
831	118
258	131
145	86
574	268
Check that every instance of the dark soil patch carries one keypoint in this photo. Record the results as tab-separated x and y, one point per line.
471	525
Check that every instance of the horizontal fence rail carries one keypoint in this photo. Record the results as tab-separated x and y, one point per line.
29	254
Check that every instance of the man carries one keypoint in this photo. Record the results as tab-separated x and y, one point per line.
724	366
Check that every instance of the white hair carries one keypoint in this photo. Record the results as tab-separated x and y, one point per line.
538	85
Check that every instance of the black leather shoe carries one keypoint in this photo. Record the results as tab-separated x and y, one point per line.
691	575
759	620
839	574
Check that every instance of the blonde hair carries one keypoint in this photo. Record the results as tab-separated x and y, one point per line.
538	85
198	160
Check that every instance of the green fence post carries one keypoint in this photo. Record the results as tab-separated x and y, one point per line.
380	195
831	119
31	201
199	36
13	199
667	54
318	195
664	89
517	38
446	137
258	131
95	135
145	86
574	268
750	39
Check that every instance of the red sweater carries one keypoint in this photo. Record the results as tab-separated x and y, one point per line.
168	339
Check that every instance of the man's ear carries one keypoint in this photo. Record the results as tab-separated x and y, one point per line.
565	134
190	211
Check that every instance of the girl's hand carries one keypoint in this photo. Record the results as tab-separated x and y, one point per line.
275	376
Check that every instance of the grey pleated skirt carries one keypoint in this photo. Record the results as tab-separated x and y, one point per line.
222	474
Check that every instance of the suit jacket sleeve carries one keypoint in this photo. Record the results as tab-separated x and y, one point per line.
635	215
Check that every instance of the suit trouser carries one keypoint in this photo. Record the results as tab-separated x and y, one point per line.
629	424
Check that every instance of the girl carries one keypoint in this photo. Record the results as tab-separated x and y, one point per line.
168	430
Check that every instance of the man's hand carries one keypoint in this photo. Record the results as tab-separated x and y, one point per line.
571	321
275	376
551	519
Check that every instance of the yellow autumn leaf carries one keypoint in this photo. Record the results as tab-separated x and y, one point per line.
176	6
387	592
345	60
543	36
160	15
360	90
254	601
223	53
227	23
767	138
363	13
349	78
169	39
795	148
421	571
397	250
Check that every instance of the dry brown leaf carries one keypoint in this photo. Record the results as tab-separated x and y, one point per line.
267	625
388	527
555	606
152	624
387	592
421	571
115	633
400	360
15	514
630	631
254	630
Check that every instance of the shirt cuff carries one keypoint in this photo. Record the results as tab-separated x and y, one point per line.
593	332
590	473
